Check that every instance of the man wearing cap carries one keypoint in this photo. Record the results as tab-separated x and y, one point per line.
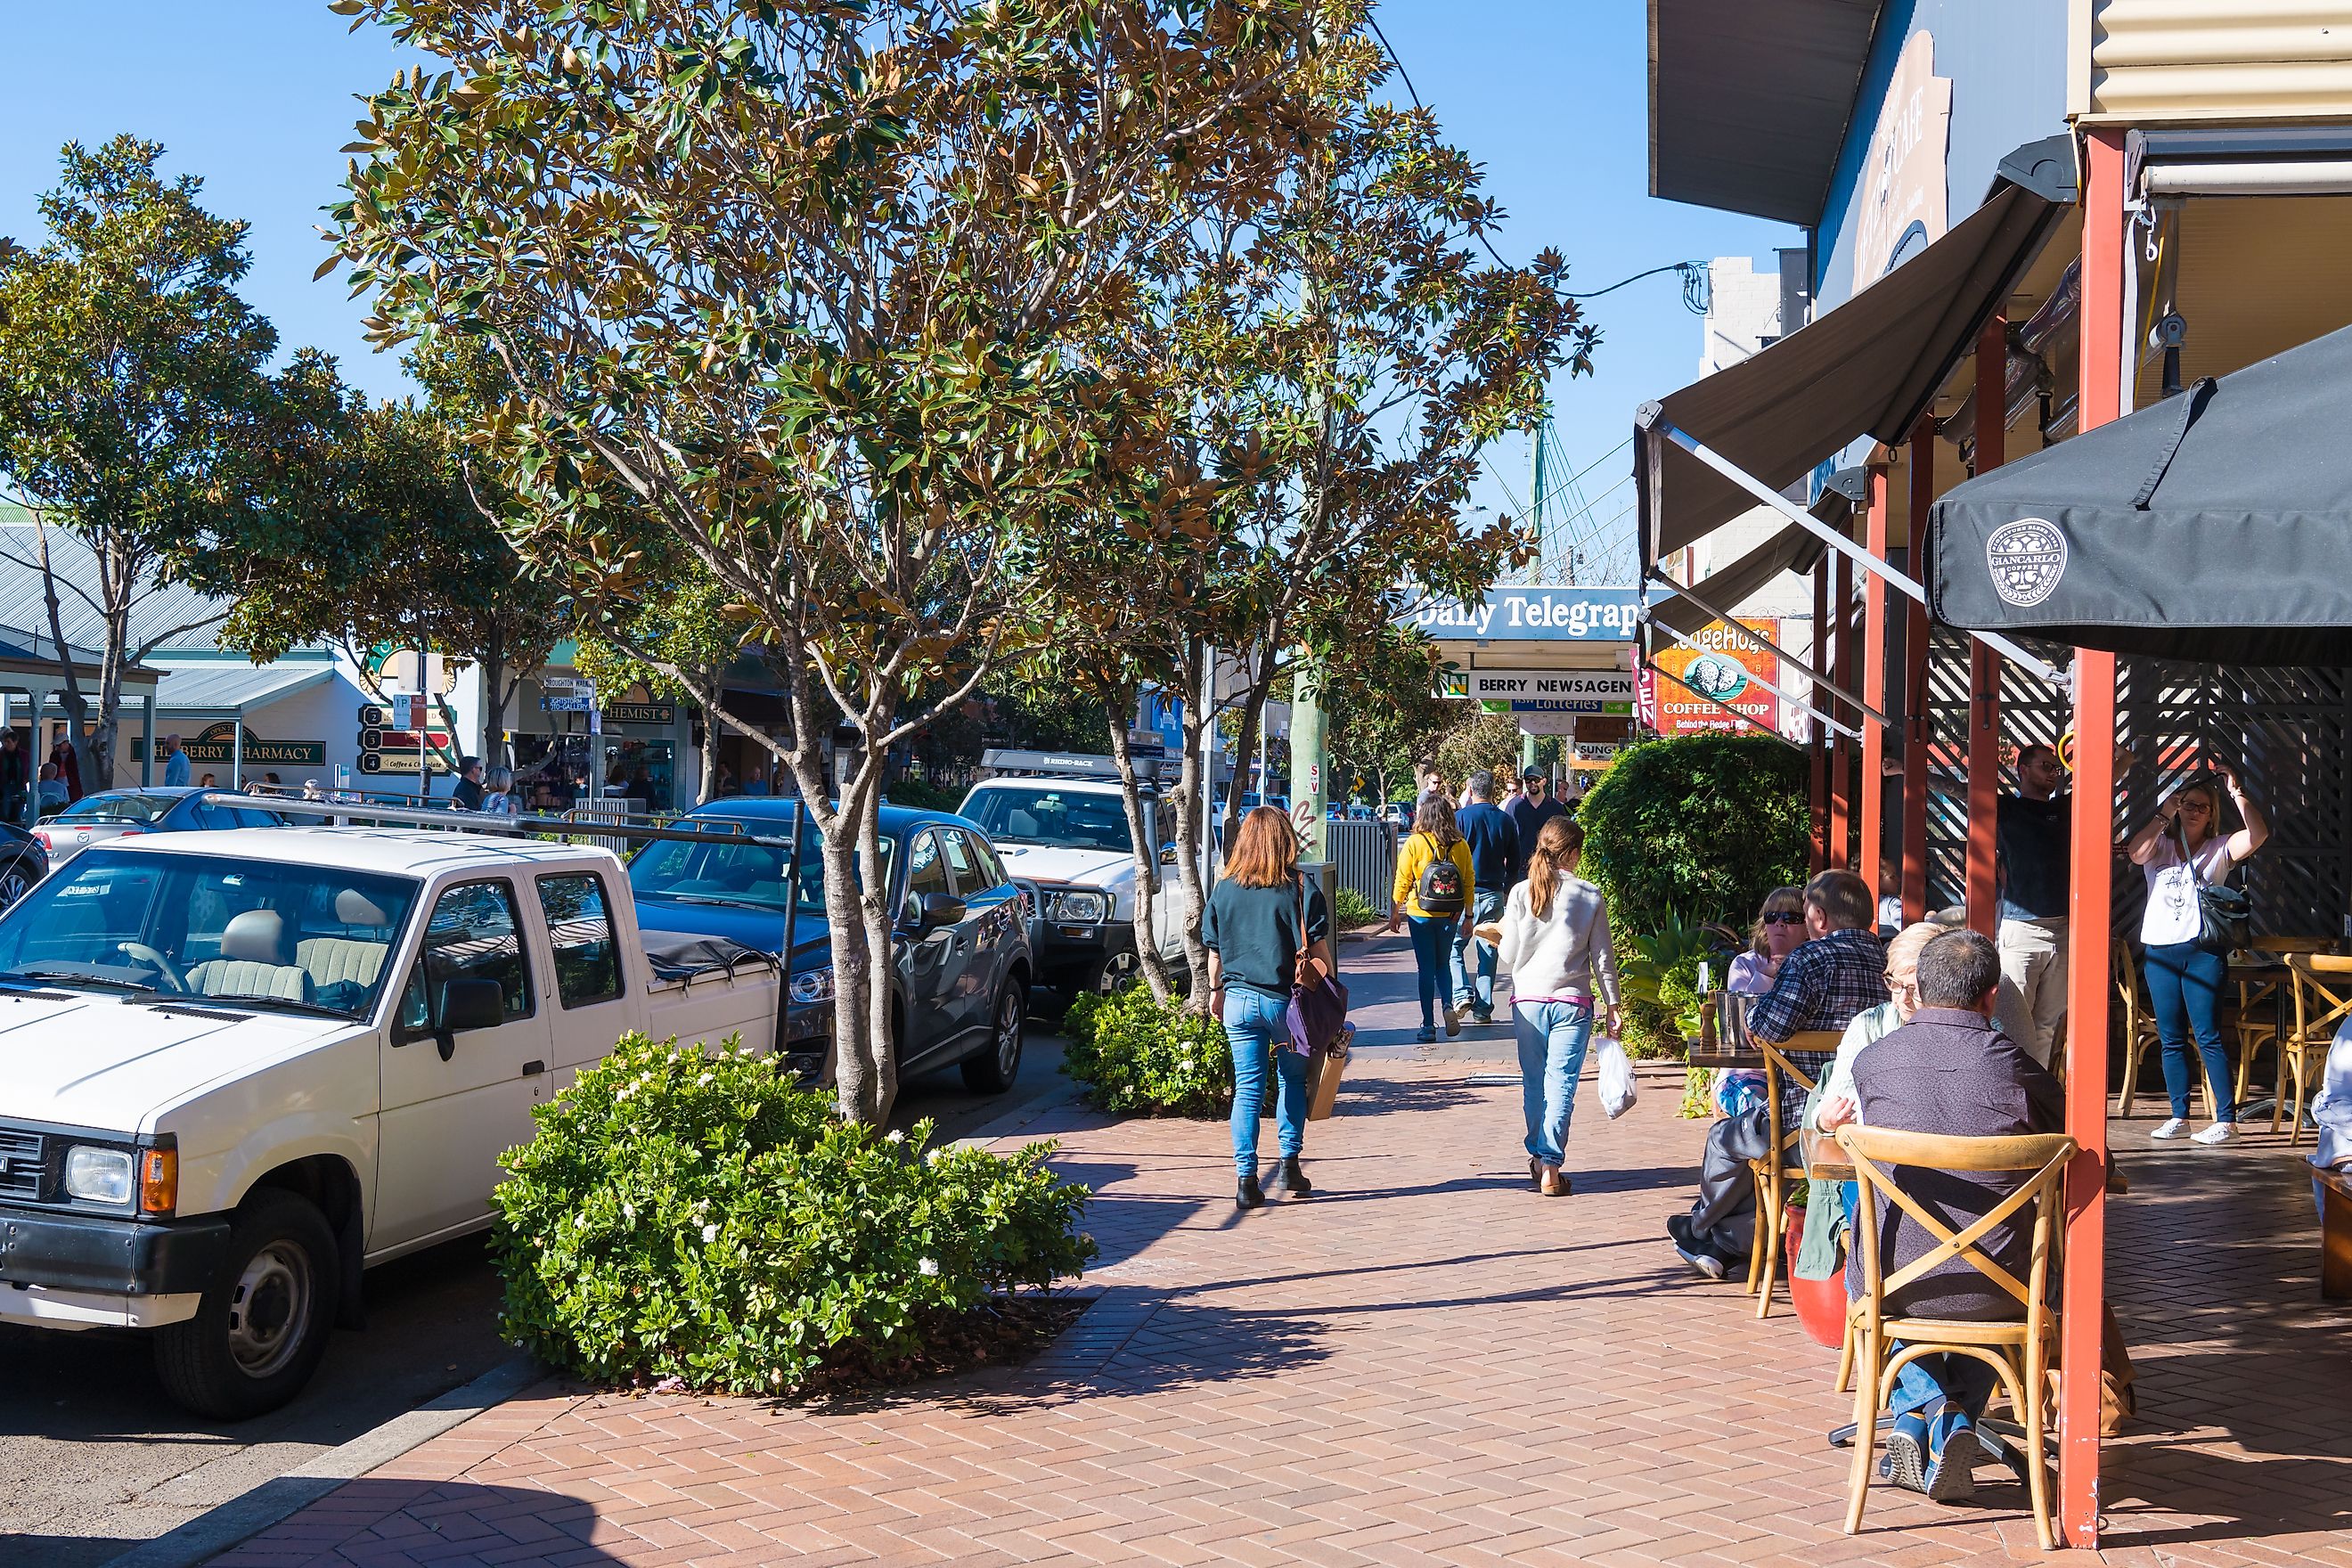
1529	812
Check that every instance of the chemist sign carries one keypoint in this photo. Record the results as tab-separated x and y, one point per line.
1556	690
1725	664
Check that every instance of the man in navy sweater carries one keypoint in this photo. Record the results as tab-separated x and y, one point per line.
1494	859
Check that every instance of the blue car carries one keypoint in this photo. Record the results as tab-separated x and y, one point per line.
958	990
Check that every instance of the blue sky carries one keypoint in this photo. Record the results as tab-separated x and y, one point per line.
258	95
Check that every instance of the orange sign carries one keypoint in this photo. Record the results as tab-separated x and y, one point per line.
1725	665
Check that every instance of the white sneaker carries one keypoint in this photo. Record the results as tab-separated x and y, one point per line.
2173	1127
2220	1133
1453	1022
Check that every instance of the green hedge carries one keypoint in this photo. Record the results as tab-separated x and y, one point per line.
1699	827
689	1215
1140	1056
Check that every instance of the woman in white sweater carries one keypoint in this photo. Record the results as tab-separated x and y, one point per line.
1554	941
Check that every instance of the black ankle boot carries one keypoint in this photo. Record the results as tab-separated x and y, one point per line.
1292	1179
1249	1196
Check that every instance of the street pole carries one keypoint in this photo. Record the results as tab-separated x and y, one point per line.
1309	786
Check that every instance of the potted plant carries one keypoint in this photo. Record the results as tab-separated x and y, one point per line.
1820	1304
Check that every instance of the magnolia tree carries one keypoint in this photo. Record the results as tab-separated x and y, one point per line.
813	287
1332	360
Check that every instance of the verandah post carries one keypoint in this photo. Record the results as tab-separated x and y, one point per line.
1841	845
1984	665
1873	690
1818	752
2090	905
1917	729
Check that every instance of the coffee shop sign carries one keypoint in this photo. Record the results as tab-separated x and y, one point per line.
1532	614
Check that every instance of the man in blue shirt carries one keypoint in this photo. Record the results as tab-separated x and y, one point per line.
1529	812
1495	858
175	763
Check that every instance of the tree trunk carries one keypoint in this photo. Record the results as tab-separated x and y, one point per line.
1147	855
709	791
71	698
1191	791
1247	745
494	700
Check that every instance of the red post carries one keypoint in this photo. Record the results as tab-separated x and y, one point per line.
1818	794
1984	665
1917	732
2090	908
1840	749
1874	689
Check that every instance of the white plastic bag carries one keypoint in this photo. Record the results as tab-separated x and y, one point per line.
1617	1090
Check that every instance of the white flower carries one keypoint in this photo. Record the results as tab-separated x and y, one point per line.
895	1137
935	1156
709	1233
579	1222
928	1268
629	1211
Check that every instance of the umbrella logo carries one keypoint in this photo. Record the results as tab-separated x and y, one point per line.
2026	558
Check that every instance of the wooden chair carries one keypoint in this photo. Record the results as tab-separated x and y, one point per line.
1782	1079
2323	1000
2253	993
2020	1351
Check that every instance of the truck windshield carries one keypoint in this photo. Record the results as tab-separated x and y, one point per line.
1044	814
733	873
301	939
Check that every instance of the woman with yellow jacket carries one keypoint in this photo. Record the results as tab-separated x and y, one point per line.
1434	888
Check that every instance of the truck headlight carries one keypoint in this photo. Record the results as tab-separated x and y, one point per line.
1080	907
813	985
98	1176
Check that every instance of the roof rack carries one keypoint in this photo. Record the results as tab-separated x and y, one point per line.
1009	761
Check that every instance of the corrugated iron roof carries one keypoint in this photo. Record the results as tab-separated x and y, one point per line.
235	688
175	617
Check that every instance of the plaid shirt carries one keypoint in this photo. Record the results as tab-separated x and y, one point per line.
1823	984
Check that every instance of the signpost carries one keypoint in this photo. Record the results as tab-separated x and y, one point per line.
1555	691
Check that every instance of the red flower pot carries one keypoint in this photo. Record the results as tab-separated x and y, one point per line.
1821	1303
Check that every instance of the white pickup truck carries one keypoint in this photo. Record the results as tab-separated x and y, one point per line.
237	1069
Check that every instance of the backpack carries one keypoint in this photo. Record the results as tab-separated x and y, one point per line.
1439	892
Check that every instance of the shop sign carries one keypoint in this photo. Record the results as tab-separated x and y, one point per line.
1725	663
1900	209
1598	754
1557	690
216	744
1543	723
658	713
1531	612
568	702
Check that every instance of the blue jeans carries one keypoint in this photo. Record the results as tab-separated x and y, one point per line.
2184	992
1932	1379
1474	978
1432	942
1553	1036
1255	1022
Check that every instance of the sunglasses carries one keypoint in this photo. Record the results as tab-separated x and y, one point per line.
1784	918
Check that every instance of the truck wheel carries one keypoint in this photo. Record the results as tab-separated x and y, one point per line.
1116	972
264	1320
993	1071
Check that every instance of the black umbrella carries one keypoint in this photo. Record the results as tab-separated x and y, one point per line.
2216	525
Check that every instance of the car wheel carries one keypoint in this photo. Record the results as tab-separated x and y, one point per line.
1117	971
14	883
993	1071
264	1320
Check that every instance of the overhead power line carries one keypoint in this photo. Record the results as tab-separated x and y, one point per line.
1694	273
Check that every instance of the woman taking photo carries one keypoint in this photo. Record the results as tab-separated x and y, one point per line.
1554	943
1254	933
1424	864
2183	847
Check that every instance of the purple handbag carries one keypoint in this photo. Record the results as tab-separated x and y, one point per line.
1318	1002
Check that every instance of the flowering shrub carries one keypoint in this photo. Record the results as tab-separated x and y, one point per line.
1135	1055
694	1215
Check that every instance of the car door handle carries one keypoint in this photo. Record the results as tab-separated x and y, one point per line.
534	1068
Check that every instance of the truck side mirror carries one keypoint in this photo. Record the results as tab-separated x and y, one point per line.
941	911
467	1004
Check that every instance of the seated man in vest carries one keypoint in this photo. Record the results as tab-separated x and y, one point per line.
1951	1071
1838	972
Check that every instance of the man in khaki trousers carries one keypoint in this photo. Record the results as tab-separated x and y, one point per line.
2036	837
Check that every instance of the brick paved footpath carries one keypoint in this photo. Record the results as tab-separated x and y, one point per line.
1424	1364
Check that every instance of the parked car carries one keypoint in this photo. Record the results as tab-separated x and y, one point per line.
1397	815
959	989
244	1066
24	860
1061	819
162	808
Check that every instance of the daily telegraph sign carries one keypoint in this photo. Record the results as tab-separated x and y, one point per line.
1532	614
